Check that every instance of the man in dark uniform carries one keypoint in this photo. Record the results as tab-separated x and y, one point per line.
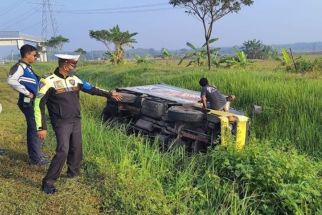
24	80
60	91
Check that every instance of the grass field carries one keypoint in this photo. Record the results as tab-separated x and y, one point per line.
129	175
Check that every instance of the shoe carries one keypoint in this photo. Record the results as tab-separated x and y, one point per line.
40	163
2	152
44	156
70	176
48	188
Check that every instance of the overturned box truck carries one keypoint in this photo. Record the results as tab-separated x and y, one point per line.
175	116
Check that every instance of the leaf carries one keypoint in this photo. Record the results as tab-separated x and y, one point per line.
191	46
190	63
286	56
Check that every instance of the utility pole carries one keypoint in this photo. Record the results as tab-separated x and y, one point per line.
47	10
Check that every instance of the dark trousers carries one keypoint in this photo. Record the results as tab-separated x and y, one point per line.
69	147
33	142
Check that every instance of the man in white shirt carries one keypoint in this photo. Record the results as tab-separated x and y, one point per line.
23	79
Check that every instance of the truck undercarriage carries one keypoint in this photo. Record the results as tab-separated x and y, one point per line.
175	117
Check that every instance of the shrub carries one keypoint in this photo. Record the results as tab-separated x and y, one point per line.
255	49
141	59
281	183
303	65
318	64
298	65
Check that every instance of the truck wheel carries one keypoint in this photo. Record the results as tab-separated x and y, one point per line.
165	140
185	114
110	111
128	98
197	147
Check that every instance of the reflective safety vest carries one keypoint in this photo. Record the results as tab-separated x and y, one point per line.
61	94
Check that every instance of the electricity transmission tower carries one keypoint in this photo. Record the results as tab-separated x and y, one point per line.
47	12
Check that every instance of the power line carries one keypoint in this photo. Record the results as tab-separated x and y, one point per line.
11	8
44	20
115	8
52	18
20	19
32	26
47	10
120	12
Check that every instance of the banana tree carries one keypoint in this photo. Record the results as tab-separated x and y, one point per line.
240	59
289	61
165	53
286	58
120	39
198	56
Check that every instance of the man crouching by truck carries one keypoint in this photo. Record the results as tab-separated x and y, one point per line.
216	99
60	91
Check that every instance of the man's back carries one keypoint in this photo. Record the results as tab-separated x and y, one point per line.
216	99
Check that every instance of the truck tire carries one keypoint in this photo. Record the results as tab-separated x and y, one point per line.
128	98
110	111
197	147
185	114
152	108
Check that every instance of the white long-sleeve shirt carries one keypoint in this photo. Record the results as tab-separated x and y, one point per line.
15	76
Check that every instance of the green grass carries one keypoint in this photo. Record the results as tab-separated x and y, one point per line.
126	174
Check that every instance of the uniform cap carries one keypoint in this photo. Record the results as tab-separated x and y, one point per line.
68	58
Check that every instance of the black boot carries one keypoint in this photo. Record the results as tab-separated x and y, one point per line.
39	163
48	188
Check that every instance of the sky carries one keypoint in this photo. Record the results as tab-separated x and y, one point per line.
159	25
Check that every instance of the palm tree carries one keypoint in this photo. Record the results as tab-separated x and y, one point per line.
116	37
56	42
81	52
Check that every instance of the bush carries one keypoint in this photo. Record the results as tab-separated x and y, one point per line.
318	64
303	65
280	183
255	49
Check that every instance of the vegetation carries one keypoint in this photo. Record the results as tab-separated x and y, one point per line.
118	38
239	59
128	174
165	53
255	49
299	64
80	51
208	12
198	55
141	59
56	42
